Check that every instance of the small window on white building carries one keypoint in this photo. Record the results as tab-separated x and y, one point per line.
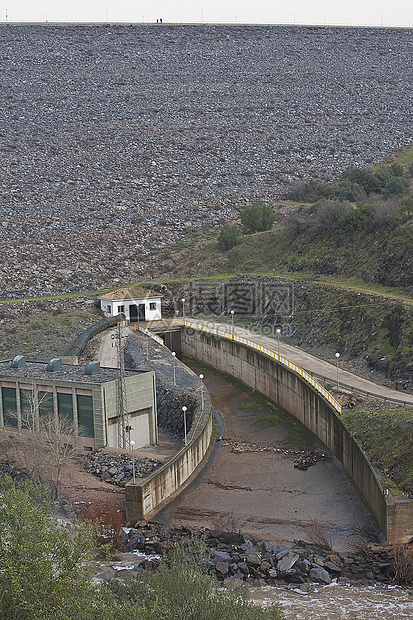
109	309
121	308
152	305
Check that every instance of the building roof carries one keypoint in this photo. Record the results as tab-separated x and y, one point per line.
38	370
137	292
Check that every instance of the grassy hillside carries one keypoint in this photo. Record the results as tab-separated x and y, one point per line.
387	438
346	232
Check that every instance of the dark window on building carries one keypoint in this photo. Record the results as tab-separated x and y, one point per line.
9	406
85	415
121	309
45	400
152	305
28	408
65	406
109	309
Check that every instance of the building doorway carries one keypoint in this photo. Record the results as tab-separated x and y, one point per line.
136	312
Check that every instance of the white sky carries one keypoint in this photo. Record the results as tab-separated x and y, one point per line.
346	12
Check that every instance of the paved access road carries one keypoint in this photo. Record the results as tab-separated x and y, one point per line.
311	363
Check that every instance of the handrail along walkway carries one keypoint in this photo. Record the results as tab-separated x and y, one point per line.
229	335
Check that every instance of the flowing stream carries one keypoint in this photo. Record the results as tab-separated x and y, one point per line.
332	602
339	602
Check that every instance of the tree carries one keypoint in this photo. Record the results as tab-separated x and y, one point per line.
46	442
395	186
229	236
347	190
257	217
364	178
328	214
309	190
43	566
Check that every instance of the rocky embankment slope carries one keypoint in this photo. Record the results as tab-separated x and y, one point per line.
115	140
237	559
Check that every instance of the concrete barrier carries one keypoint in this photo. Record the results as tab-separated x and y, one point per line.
145	498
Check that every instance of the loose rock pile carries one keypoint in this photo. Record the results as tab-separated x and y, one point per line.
235	558
117	469
303	459
115	140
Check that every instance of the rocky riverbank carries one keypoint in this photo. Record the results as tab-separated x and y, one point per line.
117	469
236	559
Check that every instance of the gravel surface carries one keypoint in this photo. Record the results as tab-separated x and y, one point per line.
115	140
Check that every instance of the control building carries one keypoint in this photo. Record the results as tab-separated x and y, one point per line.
137	304
88	396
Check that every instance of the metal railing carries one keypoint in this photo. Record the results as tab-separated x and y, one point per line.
147	332
228	334
386	399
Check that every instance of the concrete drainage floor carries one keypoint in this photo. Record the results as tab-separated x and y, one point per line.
260	492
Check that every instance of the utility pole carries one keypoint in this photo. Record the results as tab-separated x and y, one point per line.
123	425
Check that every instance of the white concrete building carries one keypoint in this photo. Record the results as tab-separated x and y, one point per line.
137	304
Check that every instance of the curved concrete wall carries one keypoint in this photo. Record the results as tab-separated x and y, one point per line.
294	394
145	498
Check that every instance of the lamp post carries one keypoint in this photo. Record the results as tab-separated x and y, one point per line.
185	409
232	322
337	356
201	376
278	337
183	307
132	443
174	366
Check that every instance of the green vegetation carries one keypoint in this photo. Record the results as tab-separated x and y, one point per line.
45	573
180	589
229	236
43	568
390	179
257	217
386	435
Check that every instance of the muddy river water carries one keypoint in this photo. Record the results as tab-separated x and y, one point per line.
339	602
332	602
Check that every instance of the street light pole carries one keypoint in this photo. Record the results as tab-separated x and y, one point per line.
185	409
201	376
174	366
232	322
183	307
337	356
278	336
132	443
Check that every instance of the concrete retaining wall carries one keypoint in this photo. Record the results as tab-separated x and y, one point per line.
144	499
292	393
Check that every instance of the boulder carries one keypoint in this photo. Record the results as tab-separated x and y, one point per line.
319	575
287	562
221	556
332	568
